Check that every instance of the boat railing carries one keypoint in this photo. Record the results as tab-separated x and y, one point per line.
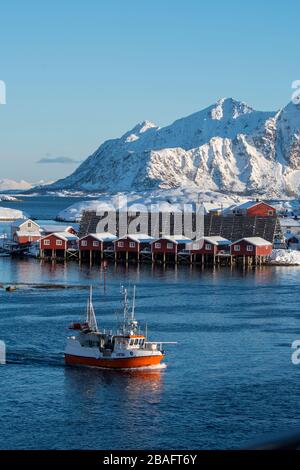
156	346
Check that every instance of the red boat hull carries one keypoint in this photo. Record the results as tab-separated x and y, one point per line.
126	363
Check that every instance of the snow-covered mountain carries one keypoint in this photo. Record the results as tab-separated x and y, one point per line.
227	147
11	185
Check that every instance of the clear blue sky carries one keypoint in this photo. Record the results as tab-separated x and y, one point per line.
81	71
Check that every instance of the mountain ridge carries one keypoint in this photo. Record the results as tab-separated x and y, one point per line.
227	147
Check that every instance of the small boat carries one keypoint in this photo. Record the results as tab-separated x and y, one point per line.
127	348
11	288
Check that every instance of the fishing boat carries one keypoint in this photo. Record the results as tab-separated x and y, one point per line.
127	348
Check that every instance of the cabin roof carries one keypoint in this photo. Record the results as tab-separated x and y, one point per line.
54	228
216	240
257	241
101	237
289	236
138	237
174	239
63	236
20	222
289	222
249	204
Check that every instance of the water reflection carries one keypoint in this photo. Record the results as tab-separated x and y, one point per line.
88	381
89	390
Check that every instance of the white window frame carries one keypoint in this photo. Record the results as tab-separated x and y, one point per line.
120	244
131	244
84	242
208	246
196	246
157	245
170	246
237	248
249	248
46	242
58	243
95	244
270	212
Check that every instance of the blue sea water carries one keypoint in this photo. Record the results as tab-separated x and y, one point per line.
229	380
42	207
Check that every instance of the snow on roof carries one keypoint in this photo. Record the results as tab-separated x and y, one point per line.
216	240
23	233
102	237
174	239
19	222
55	228
139	237
289	236
257	241
289	222
215	206
248	204
63	235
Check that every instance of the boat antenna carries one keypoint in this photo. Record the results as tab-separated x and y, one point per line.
133	304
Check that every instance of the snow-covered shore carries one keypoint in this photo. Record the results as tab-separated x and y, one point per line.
165	199
11	214
5	197
285	258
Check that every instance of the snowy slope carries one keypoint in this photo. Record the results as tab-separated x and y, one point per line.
228	147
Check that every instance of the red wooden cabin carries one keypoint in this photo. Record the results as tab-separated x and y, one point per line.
133	243
255	209
96	241
169	244
208	245
57	244
251	246
58	228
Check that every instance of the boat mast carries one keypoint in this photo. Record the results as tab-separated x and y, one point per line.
91	317
125	318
